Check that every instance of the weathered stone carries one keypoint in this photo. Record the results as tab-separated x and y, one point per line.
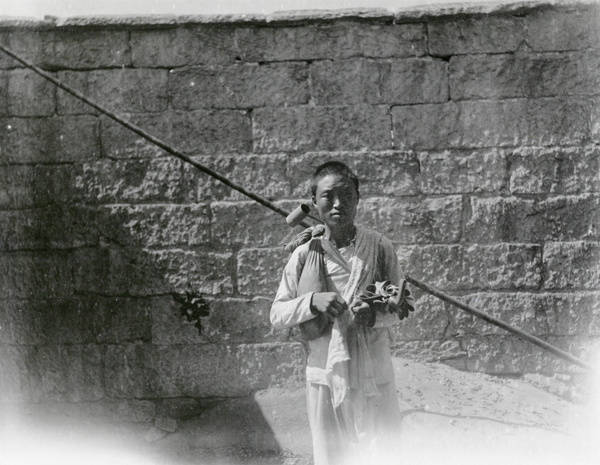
121	320
66	373
568	170
380	173
512	219
573	313
120	90
447	351
409	221
27	43
155	225
183	46
346	82
48	227
120	142
321	128
458	267
429	321
477	34
414	80
454	172
132	181
524	75
142	272
3	93
501	123
210	131
331	41
14	385
567	29
87	49
56	139
249	224
239	86
170	326
29	94
259	270
203	370
265	175
572	265
36	275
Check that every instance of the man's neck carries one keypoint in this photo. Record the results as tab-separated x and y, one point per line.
342	237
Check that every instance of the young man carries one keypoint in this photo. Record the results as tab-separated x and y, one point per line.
351	395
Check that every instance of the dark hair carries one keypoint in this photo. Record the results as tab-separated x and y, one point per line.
332	167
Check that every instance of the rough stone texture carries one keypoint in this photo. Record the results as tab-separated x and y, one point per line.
513	219
30	94
454	172
49	140
474	132
122	90
572	265
239	86
489	123
524	75
409	221
461	267
302	129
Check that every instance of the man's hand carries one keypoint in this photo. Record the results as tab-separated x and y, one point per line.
330	303
364	315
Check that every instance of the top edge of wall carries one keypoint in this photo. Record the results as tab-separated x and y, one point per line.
407	14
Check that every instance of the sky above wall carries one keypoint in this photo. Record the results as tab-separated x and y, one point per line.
66	8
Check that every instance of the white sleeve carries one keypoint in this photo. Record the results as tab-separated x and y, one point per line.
288	308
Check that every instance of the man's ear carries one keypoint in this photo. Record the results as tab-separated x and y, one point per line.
314	201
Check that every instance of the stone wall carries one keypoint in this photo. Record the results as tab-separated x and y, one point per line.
475	132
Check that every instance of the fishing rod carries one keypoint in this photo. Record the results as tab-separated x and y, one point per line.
295	218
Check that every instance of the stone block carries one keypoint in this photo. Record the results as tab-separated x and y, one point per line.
249	224
29	94
3	93
322	128
120	90
155	225
410	221
459	172
132	181
265	175
572	265
239	86
212	131
24	186
259	270
72	373
49	140
346	82
143	272
566	29
331	41
170	326
48	227
26	42
429	321
87	49
565	170
380	173
504	355
447	351
512	219
14	386
119	320
119	142
462	268
494	123
572	313
476	34
201	370
36	275
524	75
183	46
414	80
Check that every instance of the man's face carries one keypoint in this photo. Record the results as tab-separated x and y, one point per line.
336	200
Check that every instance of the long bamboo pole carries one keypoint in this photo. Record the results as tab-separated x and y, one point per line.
267	203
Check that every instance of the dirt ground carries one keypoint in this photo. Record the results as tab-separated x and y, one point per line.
448	417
